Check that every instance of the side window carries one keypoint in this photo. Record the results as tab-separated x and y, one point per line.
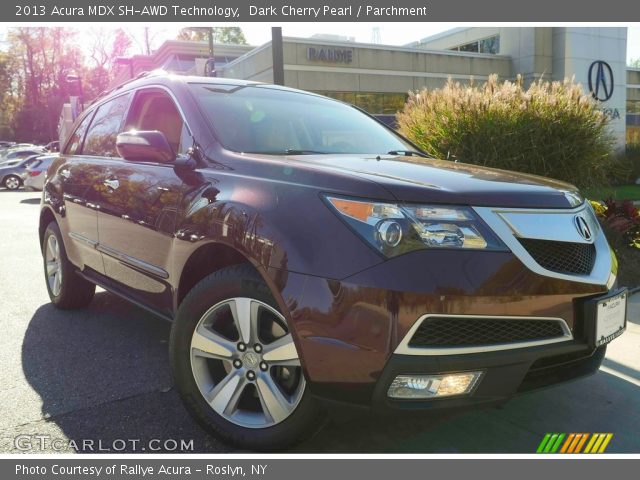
101	136
155	110
75	142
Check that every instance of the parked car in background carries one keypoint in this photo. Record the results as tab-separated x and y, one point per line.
14	172
52	146
37	172
21	152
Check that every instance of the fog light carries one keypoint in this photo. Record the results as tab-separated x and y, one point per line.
432	386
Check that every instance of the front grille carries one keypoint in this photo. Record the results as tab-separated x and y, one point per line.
562	257
464	332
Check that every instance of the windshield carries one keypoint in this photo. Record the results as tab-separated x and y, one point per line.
273	121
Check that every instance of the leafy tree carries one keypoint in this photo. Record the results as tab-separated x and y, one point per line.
227	35
43	57
7	96
34	76
635	63
107	45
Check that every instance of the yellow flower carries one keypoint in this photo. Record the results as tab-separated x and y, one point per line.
598	207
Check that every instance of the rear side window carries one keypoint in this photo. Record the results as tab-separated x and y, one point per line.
101	136
29	162
75	142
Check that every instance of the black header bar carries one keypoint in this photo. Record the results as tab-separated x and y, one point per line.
280	11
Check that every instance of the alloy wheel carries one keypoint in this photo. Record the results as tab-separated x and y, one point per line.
245	363
12	183
53	265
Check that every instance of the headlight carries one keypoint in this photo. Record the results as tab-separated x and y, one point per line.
396	228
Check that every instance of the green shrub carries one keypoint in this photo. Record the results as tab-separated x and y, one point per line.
551	128
625	168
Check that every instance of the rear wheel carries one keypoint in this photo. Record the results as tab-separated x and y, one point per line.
236	365
12	182
67	290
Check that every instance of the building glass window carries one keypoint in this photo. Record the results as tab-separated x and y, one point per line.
371	102
489	45
633	122
469	47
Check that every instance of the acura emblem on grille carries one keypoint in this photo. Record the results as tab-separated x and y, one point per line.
583	227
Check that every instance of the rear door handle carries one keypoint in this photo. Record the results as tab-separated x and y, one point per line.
112	184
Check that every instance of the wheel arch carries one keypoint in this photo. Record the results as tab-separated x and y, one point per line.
46	217
210	258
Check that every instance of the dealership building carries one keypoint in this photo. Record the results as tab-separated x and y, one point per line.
377	77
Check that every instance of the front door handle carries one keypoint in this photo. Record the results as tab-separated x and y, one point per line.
112	184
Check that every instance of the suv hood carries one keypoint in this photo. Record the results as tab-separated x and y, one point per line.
417	179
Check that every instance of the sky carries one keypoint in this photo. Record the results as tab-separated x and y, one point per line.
259	33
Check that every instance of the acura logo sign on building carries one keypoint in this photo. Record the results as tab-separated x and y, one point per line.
601	80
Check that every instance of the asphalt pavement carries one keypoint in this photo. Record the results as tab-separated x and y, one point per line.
98	379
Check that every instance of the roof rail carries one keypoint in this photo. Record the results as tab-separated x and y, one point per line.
144	74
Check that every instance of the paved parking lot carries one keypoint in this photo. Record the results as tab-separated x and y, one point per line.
103	373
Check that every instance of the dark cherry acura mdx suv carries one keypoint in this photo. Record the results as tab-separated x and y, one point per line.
308	255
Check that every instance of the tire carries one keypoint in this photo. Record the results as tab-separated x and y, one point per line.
12	182
67	290
237	413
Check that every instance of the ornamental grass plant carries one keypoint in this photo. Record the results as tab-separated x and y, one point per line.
552	129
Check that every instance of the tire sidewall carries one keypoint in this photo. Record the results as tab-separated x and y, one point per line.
65	266
9	177
229	283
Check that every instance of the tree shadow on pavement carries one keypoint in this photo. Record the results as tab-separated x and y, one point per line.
103	374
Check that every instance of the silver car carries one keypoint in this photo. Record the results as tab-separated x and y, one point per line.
37	172
14	172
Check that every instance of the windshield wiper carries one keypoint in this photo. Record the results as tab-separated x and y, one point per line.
408	153
291	151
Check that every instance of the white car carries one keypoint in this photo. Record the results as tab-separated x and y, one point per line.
37	172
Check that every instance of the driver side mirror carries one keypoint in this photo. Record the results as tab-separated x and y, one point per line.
145	146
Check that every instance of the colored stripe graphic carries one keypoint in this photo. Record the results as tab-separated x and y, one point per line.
574	443
599	443
543	443
550	443
567	443
605	443
582	442
579	438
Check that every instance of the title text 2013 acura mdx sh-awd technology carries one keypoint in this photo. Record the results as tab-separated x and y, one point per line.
306	252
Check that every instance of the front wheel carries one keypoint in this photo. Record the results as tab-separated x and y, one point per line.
236	365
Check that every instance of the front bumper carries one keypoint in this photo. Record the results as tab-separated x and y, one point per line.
505	374
347	331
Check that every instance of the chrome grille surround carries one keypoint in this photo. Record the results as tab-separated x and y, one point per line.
463	331
513	224
405	347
